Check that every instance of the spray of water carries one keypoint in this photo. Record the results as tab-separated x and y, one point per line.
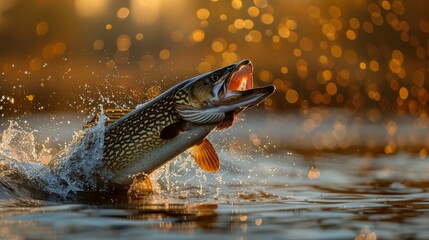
25	170
21	172
74	169
77	167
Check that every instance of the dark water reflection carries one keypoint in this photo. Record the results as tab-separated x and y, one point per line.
260	193
384	207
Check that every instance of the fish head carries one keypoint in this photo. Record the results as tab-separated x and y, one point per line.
208	98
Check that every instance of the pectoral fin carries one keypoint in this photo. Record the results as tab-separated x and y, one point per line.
206	156
173	130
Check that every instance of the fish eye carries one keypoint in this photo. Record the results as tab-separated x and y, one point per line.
215	77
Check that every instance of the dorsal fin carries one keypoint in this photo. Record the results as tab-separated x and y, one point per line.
205	156
115	113
112	114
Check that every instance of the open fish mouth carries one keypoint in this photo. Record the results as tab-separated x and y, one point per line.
233	92
242	77
238	89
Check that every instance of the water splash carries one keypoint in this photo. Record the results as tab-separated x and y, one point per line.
183	179
77	167
27	168
21	172
26	173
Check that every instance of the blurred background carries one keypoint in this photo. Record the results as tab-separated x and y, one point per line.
352	62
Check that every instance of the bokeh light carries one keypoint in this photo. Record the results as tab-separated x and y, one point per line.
366	57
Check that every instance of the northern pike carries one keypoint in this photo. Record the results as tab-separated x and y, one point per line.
141	140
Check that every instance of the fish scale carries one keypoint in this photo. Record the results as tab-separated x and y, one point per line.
141	140
148	137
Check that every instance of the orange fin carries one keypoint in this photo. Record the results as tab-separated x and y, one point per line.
141	185
113	114
148	184
206	156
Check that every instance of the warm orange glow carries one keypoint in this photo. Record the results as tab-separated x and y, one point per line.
403	93
30	97
323	59
424	26
219	45
334	11
267	18
237	4
90	8
144	12
48	52
42	28
164	54
36	64
313	173
284	70
351	34
297	52
423	154
331	88
265	76
198	35
398	7
373	65
254	36
284	32
59	48
386	5
139	36
317	54
123	43
390	149
98	44
354	23
204	67
292	96
336	51
260	3
253	11
419	78
203	13
327	75
123	13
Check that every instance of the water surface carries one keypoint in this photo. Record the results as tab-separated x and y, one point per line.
264	190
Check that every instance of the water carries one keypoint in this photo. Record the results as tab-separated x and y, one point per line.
264	189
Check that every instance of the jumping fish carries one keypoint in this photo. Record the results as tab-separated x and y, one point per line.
143	139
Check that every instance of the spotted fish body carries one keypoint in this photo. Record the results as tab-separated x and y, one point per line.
133	142
146	138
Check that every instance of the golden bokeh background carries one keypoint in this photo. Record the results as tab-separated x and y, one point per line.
354	54
369	57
